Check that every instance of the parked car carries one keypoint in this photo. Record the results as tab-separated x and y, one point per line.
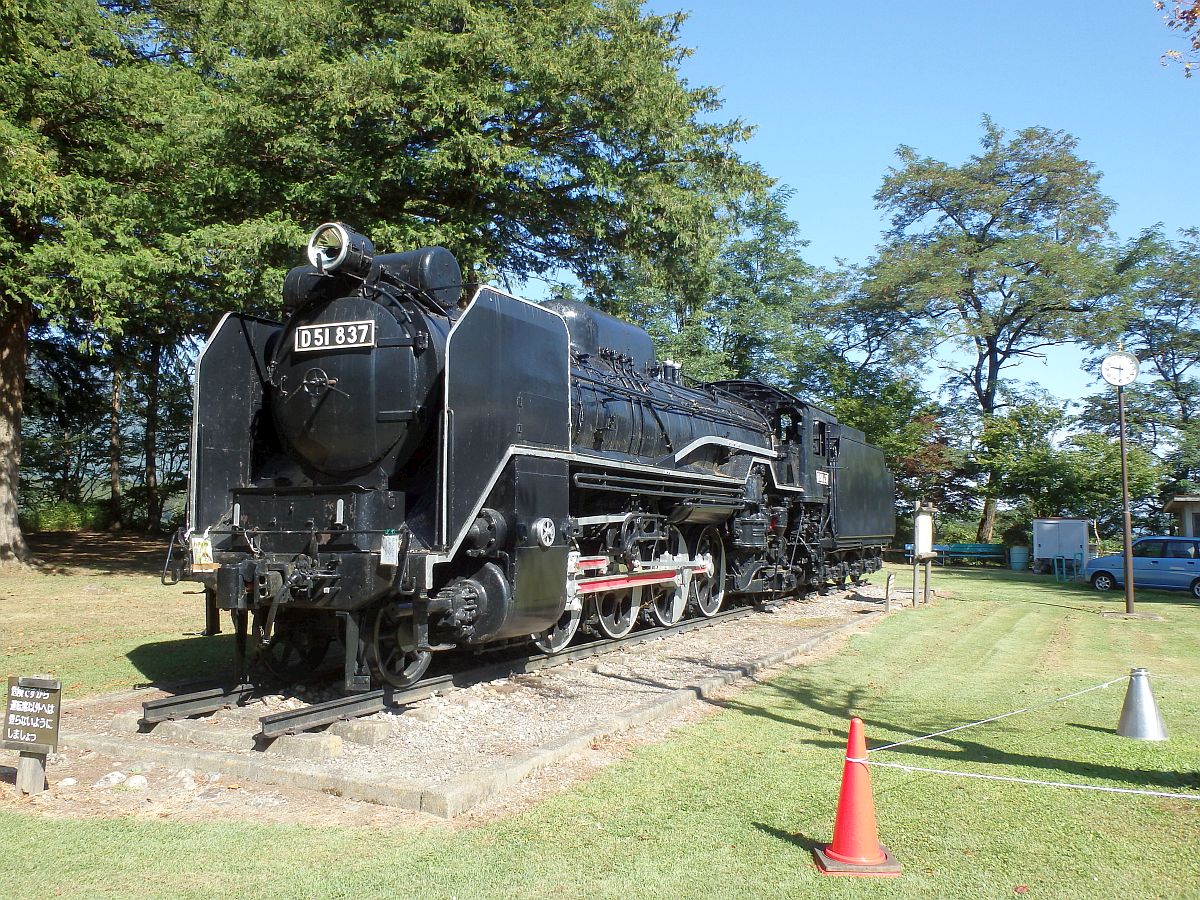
1170	563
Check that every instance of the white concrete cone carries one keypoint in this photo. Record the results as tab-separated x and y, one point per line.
1140	718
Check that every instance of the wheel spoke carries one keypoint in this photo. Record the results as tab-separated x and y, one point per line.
668	602
556	639
294	652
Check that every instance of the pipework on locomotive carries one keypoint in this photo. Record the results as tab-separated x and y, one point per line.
407	474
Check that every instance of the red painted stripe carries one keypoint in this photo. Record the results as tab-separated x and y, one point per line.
591	562
625	580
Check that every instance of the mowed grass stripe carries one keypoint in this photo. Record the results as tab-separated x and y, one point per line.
730	806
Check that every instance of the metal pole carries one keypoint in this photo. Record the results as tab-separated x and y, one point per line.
1125	503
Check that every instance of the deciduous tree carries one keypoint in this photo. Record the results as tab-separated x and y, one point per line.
1002	255
1159	322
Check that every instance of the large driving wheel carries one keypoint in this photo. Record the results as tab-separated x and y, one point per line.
394	653
708	585
668	602
555	640
616	612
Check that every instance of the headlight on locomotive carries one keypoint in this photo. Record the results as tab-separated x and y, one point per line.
334	247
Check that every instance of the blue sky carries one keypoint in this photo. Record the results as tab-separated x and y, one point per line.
834	88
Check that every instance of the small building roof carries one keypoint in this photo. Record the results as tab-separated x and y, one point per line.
1176	503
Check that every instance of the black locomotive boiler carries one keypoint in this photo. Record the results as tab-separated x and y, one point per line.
408	473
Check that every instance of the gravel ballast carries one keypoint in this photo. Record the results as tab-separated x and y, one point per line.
449	753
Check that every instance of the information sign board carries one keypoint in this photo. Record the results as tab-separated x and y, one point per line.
31	714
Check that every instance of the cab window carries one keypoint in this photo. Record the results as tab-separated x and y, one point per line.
787	428
818	438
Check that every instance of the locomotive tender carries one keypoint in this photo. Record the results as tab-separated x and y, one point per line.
410	473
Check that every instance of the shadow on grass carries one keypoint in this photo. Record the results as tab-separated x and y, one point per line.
947	750
1086	609
800	840
169	662
123	553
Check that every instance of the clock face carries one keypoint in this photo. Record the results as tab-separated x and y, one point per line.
1119	368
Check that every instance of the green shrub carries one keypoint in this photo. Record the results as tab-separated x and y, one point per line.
59	515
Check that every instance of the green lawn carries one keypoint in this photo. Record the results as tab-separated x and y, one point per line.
105	631
731	806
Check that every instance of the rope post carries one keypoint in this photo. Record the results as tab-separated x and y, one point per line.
1140	718
31	773
856	850
887	592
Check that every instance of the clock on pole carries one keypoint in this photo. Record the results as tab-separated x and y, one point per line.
1121	369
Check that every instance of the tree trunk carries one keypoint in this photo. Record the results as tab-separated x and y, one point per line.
150	440
114	454
987	522
14	348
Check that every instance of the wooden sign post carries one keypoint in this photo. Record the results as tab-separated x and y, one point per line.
923	551
31	727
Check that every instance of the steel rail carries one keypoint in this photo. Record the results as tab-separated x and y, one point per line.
180	706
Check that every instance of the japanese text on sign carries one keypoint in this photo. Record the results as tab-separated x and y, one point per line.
31	714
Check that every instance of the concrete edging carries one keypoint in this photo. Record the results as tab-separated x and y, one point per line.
467	791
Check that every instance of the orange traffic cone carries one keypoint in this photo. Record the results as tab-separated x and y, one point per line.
856	849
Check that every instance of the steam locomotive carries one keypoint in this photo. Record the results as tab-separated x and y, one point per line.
409	468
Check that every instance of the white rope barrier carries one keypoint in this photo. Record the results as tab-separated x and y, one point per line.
1009	778
1034	781
925	737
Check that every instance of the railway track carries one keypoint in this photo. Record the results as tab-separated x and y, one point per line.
316	715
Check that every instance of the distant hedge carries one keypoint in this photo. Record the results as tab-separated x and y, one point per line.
63	516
